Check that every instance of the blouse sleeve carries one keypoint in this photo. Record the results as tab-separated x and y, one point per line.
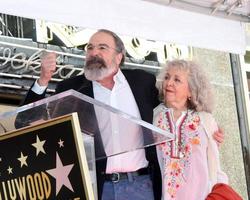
216	175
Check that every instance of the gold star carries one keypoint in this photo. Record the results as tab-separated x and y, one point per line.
10	170
39	145
61	143
23	159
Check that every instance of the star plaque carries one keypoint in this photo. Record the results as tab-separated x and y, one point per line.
45	161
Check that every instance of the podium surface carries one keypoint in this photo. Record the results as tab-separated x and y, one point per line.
93	118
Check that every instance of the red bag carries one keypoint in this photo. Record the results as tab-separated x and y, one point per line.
222	191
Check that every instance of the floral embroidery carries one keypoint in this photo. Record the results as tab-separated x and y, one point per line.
195	140
187	133
193	124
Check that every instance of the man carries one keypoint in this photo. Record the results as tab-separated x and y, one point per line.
131	91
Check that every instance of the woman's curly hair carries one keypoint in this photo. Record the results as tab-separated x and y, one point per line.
200	88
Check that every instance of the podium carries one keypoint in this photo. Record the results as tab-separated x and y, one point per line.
50	148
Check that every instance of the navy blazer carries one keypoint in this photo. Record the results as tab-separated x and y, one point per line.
143	88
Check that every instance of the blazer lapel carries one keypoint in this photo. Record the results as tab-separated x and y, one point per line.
136	90
87	88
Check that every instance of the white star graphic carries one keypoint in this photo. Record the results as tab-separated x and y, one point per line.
22	160
60	173
10	170
61	143
39	145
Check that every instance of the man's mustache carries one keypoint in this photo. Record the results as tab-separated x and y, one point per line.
96	62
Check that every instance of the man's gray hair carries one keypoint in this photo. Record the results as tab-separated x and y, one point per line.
120	48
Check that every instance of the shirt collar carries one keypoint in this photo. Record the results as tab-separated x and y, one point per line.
118	78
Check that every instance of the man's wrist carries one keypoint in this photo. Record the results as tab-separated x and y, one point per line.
37	88
42	83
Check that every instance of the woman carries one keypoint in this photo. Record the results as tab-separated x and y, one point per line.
189	164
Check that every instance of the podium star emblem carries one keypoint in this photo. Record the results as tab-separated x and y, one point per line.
39	145
60	173
23	159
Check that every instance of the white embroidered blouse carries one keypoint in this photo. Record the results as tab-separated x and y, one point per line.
183	162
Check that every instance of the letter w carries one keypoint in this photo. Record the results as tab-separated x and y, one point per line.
21	187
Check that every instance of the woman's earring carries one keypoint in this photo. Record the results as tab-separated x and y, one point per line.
189	98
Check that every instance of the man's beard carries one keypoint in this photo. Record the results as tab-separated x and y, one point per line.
96	69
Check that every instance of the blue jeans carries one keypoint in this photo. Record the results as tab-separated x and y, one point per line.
140	188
